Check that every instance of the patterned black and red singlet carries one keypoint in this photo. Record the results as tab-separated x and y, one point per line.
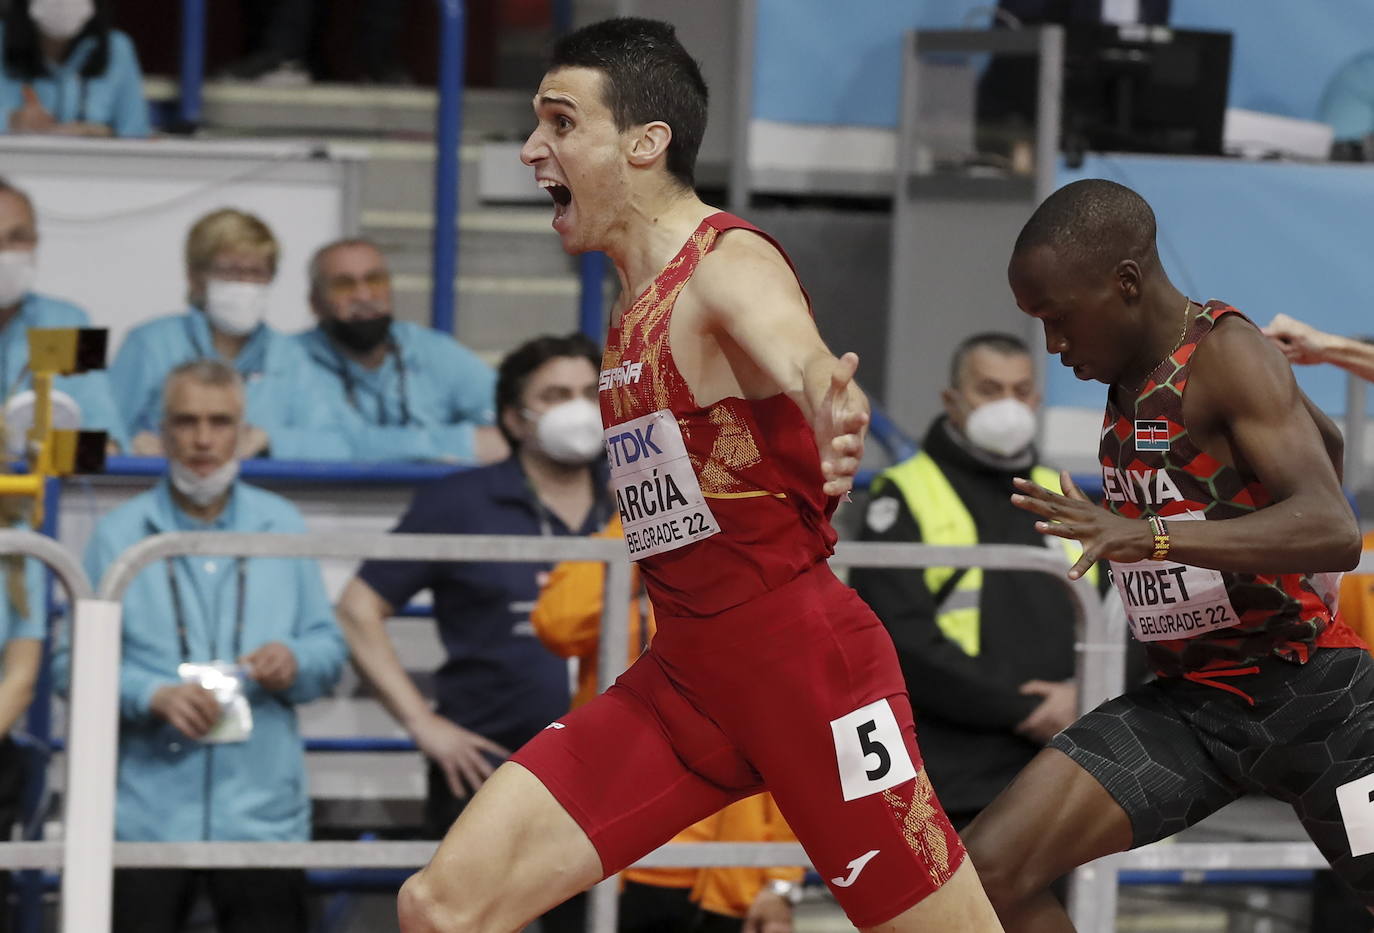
1192	619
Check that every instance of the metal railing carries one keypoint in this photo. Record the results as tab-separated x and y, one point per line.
87	854
94	782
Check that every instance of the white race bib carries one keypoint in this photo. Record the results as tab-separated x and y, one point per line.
656	489
1168	600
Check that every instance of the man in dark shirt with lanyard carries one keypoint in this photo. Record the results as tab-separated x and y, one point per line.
498	685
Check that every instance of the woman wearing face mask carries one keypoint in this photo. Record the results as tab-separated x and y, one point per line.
66	71
231	260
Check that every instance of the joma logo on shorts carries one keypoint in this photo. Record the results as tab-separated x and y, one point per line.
618	376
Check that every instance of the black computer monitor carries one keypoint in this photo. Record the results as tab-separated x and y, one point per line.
1144	89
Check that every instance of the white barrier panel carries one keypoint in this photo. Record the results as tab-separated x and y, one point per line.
92	750
113	215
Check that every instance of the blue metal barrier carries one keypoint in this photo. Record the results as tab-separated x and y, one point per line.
303	471
591	314
449	137
192	63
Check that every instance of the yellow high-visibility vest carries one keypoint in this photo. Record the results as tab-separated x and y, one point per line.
945	520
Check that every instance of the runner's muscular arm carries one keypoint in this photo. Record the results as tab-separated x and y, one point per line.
1243	406
750	296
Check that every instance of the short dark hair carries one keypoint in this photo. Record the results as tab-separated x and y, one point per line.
1092	224
996	341
23	55
649	76
517	365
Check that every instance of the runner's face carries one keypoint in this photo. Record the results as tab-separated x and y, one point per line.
578	156
1084	317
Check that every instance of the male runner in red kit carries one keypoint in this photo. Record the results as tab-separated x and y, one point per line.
1226	527
730	430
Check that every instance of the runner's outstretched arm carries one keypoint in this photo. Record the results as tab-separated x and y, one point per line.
753	301
1243	399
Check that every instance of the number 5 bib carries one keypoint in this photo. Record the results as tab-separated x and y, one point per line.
656	489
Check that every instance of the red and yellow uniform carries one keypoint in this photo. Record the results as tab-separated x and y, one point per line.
766	672
567	619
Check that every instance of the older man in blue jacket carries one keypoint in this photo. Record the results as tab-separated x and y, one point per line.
217	653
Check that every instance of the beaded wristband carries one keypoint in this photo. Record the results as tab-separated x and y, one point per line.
1161	533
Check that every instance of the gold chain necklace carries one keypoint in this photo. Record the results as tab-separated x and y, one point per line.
1187	303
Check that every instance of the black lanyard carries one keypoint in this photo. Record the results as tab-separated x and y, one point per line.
346	377
241	587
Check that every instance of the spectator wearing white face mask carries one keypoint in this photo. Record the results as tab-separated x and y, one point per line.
67	72
22	308
497	685
988	657
231	260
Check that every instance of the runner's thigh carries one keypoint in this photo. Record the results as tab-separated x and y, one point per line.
830	728
1141	750
637	765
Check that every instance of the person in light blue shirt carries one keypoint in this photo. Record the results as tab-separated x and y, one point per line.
21	308
231	260
66	71
191	765
382	389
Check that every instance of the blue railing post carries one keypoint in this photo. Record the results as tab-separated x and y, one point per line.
591	269
192	62
450	137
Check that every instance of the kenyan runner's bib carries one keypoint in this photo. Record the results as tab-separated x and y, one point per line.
1168	600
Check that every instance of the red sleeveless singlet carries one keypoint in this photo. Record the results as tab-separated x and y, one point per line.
759	517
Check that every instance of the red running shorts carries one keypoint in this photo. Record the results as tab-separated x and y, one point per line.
797	692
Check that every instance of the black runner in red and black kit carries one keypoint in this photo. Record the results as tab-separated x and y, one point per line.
1261	688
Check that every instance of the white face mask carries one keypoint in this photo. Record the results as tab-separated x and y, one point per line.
235	308
61	19
203	490
17	271
571	432
1005	427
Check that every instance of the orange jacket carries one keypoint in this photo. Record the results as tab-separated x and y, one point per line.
1357	599
567	618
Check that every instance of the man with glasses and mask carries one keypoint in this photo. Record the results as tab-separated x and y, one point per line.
217	653
22	308
498	686
988	657
384	389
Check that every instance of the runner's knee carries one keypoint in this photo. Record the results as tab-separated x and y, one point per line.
1007	881
425	907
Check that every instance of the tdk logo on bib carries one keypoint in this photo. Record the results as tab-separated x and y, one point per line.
618	376
631	446
1152	435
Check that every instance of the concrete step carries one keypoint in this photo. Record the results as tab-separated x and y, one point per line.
496	313
490	243
359	110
